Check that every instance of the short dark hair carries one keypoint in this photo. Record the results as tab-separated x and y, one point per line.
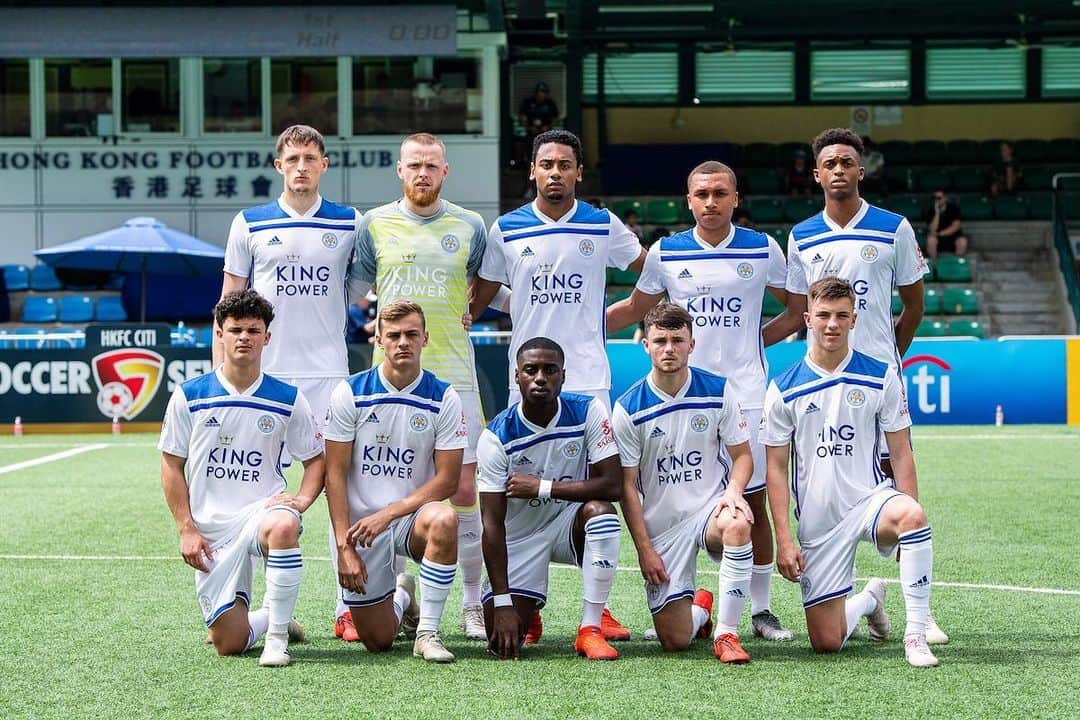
712	167
830	288
541	343
668	316
559	137
300	135
837	136
243	304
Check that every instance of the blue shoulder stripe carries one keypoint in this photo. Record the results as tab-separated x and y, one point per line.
333	211
798	374
270	211
586	213
276	390
861	364
813	225
880	219
203	387
680	241
523	217
746	239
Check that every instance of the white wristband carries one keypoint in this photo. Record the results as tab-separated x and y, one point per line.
545	489
504	600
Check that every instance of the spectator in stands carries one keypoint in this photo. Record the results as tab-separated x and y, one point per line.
362	314
873	163
538	112
742	218
633	225
1005	175
799	179
945	233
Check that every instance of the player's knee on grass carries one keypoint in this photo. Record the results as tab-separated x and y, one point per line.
827	639
230	631
377	637
672	639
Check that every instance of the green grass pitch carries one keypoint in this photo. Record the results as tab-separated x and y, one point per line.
98	617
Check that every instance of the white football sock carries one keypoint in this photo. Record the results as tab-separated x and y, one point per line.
856	607
470	554
760	587
258	621
599	561
284	569
916	573
435	582
698	618
734	588
340	608
401	603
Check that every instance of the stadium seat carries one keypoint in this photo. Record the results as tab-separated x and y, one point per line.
1010	207
662	212
615	276
1038	177
797	209
1032	151
933	178
913	207
897	303
686	215
115	282
960	301
7	340
929	327
760	181
621	207
76	309
16	278
780	235
110	308
43	278
771	307
969	179
975	207
786	152
758	155
900	178
990	151
1063	150
953	269
920	235
931	301
39	309
962	152
896	152
1041	205
927	152
928	276
767	210
965	328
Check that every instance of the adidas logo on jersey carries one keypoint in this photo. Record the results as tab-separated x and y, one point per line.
657	432
273	241
372	418
921	582
523	460
212	422
735	593
685	274
811	408
817	258
605	564
527	252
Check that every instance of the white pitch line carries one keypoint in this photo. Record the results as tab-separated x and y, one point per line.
919	437
42	445
50	458
558	566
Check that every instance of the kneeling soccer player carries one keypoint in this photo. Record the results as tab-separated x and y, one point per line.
220	444
394	443
830	405
548	472
669	427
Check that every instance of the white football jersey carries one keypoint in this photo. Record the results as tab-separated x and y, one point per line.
835	422
300	264
578	436
394	433
723	289
557	270
233	443
875	252
675	443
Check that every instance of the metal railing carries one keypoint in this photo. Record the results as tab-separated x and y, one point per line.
1067	261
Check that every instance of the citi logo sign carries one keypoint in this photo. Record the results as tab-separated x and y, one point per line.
930	376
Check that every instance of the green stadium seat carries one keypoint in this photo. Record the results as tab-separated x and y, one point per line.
920	235
798	209
927	152
758	155
913	207
1038	177
929	327
965	328
1041	205
990	151
933	178
759	181
963	152
928	276
662	212
1010	207
627	333
953	269
767	210
975	207
900	178
686	215
897	303
621	207
896	152
931	301
1070	205
969	179
873	198
771	307
618	277
960	301
1063	150
786	152
1032	151
780	235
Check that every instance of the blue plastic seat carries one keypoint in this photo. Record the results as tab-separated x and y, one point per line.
43	278
16	277
7	340
110	308
76	309
39	309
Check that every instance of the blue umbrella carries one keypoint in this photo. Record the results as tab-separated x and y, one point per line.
142	245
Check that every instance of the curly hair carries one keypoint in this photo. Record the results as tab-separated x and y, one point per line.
837	136
242	305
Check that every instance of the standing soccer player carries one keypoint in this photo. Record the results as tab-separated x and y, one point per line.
873	249
826	412
548	472
295	251
720	274
394	443
220	442
669	427
426	249
553	253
